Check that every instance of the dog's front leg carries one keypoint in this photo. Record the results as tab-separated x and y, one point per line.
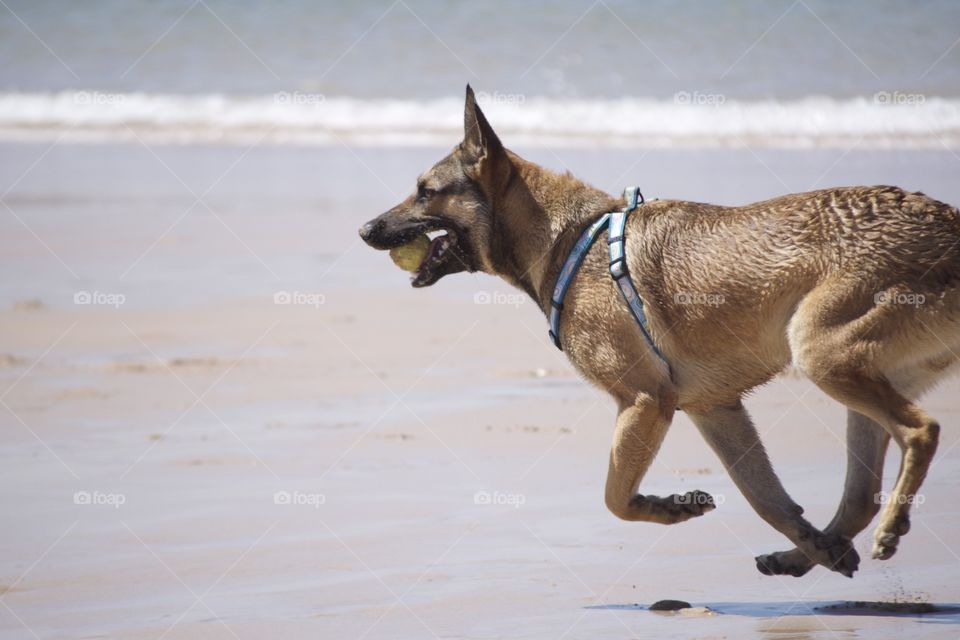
866	447
641	426
731	434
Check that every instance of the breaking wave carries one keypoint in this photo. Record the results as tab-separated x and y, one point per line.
884	120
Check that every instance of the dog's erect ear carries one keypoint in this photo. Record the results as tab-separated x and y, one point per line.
479	141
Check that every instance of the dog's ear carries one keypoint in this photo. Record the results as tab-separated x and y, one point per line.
480	143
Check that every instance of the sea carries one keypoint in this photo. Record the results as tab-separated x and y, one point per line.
773	73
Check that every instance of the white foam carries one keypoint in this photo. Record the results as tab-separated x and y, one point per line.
686	121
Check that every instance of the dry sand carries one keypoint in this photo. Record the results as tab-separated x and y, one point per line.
378	462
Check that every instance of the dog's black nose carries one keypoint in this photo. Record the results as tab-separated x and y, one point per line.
365	231
370	231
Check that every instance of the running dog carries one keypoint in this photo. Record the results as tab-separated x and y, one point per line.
857	287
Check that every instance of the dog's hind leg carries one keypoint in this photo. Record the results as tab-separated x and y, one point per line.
913	430
849	355
641	426
731	434
866	447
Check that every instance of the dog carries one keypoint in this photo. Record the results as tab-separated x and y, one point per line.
857	287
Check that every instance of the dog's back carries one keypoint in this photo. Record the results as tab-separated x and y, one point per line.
724	283
882	231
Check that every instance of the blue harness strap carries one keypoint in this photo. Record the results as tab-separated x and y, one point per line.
616	223
570	267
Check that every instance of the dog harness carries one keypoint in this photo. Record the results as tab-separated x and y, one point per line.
615	222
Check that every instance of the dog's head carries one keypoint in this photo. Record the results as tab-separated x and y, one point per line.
453	202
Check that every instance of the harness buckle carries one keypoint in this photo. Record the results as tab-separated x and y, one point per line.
632	195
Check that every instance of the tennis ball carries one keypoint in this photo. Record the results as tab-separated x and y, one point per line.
410	256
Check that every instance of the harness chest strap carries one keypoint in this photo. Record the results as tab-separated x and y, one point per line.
615	222
570	267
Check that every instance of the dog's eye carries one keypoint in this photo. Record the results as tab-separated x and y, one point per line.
424	193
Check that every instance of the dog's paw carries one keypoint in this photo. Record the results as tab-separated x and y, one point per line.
681	507
833	551
784	563
841	556
885	546
695	502
886	539
674	508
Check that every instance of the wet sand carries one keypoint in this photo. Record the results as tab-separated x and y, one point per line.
370	461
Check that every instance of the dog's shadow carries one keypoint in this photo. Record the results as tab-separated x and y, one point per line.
944	613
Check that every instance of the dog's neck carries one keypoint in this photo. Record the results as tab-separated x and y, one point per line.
538	218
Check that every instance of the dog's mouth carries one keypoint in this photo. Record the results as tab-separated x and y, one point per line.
445	256
448	252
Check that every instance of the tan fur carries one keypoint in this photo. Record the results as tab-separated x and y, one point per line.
828	280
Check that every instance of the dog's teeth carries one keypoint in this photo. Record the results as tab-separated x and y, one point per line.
442	247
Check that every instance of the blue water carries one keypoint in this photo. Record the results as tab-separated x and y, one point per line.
424	49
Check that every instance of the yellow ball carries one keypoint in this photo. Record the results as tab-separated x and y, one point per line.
410	256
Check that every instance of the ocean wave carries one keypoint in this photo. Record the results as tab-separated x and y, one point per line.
885	120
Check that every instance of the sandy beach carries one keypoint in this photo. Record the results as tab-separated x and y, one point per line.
248	425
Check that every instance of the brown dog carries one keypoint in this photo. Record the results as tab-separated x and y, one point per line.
857	287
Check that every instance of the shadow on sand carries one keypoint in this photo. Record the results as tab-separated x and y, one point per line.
948	613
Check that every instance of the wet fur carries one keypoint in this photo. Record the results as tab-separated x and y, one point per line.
800	279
